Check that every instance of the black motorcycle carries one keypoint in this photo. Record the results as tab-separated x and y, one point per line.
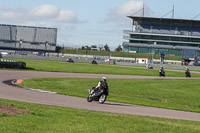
187	74
162	73
70	60
149	66
98	95
94	62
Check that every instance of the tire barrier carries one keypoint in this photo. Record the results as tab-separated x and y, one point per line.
12	64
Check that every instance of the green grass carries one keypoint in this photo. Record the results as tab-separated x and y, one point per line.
51	119
179	94
60	66
119	54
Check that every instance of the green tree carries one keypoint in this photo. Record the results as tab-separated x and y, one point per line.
94	46
119	48
106	47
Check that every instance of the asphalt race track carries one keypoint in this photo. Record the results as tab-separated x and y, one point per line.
21	94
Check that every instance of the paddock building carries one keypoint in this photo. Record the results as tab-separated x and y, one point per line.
27	38
162	35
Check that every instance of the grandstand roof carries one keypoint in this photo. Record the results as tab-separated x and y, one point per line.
27	26
164	20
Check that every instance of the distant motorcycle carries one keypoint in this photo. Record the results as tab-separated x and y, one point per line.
149	66
94	62
187	74
70	60
98	95
161	73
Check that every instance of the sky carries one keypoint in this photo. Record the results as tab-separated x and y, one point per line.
90	22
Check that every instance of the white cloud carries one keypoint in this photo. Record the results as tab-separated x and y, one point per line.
47	12
128	8
66	16
4	8
38	24
11	15
119	13
55	14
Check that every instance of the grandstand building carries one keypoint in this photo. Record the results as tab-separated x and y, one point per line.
162	35
27	38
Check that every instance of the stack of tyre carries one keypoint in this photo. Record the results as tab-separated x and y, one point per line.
12	64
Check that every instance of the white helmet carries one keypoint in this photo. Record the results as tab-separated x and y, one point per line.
104	78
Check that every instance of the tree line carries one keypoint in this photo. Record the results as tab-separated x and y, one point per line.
101	48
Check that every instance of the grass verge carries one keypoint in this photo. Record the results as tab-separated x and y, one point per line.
60	66
43	118
179	94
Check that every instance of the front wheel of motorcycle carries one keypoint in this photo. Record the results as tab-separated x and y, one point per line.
102	98
89	98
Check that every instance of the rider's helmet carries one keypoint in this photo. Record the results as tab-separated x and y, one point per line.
161	67
104	78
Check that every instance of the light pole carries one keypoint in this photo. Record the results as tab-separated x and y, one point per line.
152	56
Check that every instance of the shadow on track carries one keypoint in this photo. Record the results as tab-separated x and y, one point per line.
119	104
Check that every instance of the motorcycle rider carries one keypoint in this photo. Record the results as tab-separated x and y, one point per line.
187	72
102	85
162	71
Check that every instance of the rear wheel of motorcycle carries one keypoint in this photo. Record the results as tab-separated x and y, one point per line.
102	98
89	98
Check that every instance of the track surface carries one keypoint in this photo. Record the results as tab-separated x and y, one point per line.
20	94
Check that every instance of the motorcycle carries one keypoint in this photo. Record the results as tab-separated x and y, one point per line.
161	72
149	66
70	60
98	95
187	74
94	62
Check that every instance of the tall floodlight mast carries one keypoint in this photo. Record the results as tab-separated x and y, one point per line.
171	11
143	10
138	12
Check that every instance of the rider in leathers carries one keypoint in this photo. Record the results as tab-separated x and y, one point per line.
102	85
161	71
187	72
